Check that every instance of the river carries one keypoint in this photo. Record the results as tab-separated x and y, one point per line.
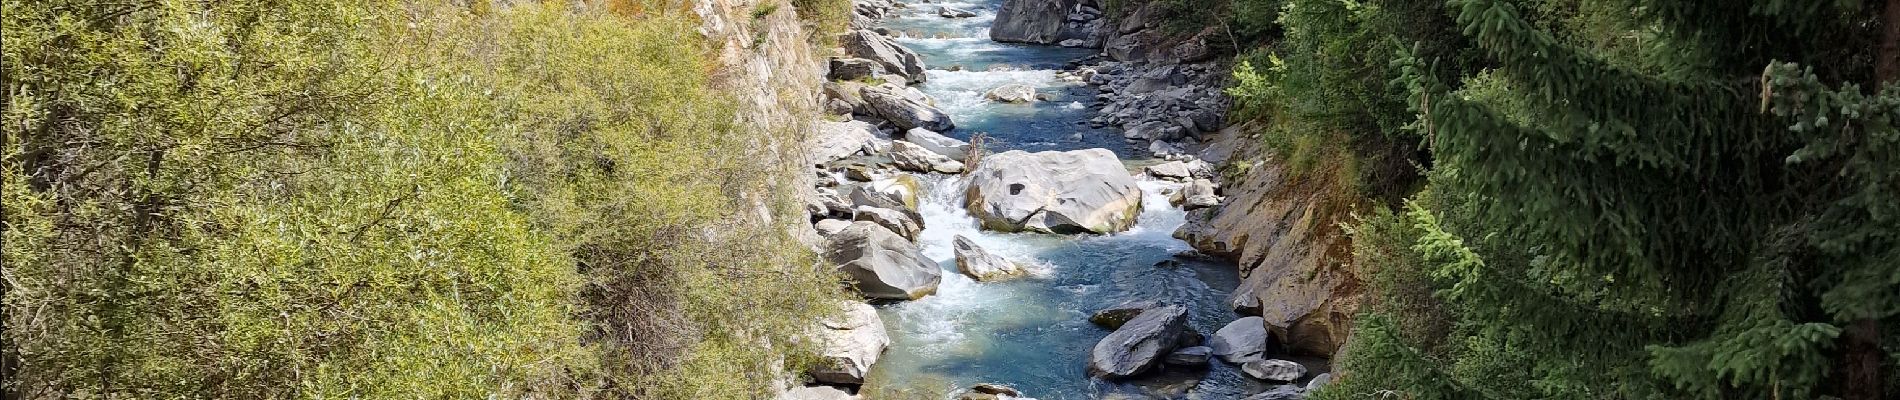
1033	334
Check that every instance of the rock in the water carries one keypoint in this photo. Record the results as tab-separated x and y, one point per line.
948	12
990	391
904	111
914	157
894	57
1114	317
837	140
1282	392
1274	370
896	193
894	220
883	264
1189	356
982	266
1319	382
830	227
1242	341
1081	191
1012	93
847	69
1172	170
816	393
1139	344
852	342
938	143
858	173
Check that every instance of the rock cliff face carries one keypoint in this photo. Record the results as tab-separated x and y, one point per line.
1294	262
1072	23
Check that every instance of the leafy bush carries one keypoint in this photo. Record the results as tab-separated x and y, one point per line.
398	199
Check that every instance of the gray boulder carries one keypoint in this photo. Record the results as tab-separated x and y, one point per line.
948	12
883	264
981	265
1282	392
1012	93
828	227
904	111
896	59
1138	345
1081	191
1189	356
1242	341
850	68
1114	317
914	157
938	143
1274	370
852	342
897	193
990	391
1172	170
837	140
894	220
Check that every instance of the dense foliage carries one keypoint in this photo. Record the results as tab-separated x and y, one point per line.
387	199
1674	199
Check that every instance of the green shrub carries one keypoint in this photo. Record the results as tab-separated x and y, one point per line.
415	199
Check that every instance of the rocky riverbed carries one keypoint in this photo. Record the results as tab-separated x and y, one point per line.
995	174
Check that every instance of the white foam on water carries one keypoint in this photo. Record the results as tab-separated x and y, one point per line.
960	93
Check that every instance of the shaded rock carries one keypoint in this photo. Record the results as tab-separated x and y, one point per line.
980	264
1190	356
1242	341
1139	344
883	264
894	220
894	57
1282	392
1081	191
1114	317
1012	93
852	342
849	69
1274	370
858	173
938	143
1282	232
906	112
1074	23
914	157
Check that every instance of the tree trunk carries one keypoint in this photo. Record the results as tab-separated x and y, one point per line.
1860	342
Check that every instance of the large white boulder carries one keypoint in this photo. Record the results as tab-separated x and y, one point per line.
1080	191
883	264
947	146
852	342
904	109
910	156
